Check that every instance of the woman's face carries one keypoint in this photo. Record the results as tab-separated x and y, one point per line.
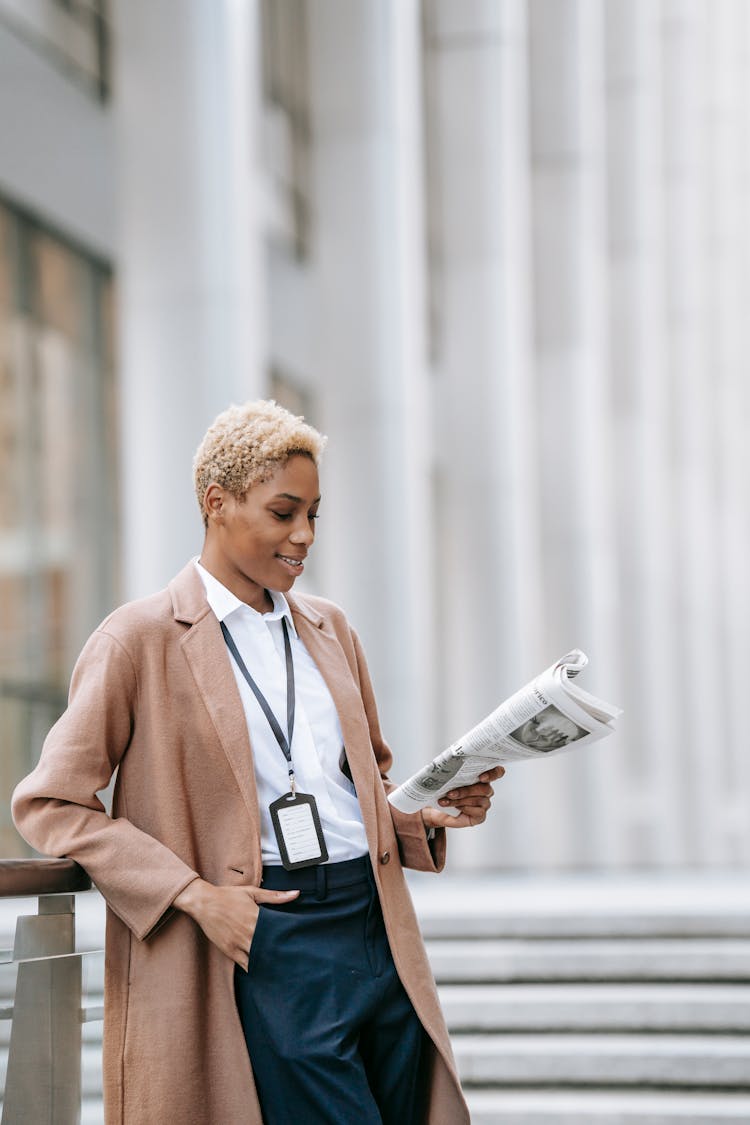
260	542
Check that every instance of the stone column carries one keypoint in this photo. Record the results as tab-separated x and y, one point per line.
573	423
728	394
486	536
700	730
368	347
651	822
190	259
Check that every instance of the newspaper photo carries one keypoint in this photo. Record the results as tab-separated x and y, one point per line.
547	717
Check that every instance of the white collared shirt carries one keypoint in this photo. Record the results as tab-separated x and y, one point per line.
317	742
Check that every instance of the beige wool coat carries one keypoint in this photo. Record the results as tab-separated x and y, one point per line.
153	693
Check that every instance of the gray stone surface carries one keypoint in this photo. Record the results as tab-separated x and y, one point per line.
585	1000
587	959
621	1107
651	904
603	1060
592	1007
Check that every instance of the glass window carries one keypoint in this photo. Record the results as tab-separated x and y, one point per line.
58	512
286	95
73	34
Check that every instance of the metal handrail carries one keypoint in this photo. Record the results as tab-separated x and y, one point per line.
19	877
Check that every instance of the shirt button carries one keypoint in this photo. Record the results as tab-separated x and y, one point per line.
385	858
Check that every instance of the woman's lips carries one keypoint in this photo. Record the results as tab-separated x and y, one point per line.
296	566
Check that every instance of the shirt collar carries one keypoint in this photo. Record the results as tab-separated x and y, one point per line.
223	602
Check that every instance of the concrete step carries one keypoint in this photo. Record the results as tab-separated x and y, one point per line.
591	959
579	1107
597	1007
552	1107
566	904
683	1061
621	1107
608	924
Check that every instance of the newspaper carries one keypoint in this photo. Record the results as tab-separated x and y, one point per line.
547	717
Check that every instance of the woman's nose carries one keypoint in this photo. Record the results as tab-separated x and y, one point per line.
303	534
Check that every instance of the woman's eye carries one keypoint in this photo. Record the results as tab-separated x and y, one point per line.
290	515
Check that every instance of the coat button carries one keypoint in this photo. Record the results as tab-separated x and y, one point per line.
385	857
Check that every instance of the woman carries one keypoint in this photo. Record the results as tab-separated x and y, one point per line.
263	960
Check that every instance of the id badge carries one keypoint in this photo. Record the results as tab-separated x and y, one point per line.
298	831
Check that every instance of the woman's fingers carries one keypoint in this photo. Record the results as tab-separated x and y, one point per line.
260	895
479	793
471	801
436	818
228	915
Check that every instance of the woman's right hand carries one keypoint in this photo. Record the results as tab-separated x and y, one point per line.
227	915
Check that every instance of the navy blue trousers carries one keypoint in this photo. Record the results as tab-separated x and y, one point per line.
332	1036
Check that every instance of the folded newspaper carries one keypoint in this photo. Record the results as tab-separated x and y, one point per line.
547	717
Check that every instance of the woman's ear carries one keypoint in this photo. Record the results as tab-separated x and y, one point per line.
214	503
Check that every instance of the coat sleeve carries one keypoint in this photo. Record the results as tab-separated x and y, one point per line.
415	849
57	810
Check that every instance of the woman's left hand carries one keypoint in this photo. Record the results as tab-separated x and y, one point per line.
472	801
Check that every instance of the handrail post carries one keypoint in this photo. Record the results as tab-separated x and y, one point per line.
43	1080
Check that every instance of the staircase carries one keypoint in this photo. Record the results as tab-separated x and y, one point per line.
595	1002
571	1001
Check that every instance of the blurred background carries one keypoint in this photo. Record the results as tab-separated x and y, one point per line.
499	251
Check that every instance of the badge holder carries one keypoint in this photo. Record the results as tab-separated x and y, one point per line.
298	831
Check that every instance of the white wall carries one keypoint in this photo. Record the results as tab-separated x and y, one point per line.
56	147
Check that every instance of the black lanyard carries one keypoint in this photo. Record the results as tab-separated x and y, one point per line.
284	742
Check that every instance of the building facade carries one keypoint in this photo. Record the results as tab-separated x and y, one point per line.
497	251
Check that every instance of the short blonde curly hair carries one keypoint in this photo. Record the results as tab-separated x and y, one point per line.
246	444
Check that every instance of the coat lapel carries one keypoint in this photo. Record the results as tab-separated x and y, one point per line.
207	657
325	649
